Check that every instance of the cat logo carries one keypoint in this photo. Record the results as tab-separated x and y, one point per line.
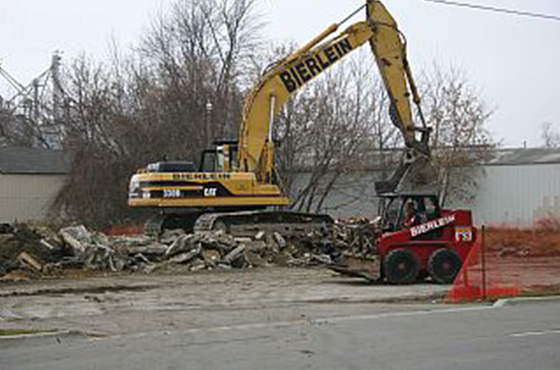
210	192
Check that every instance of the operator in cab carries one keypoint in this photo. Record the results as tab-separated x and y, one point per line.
411	216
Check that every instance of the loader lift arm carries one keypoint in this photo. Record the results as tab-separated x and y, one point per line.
256	146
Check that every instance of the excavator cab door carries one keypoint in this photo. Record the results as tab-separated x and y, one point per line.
209	161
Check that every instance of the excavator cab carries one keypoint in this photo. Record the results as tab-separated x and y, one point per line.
223	158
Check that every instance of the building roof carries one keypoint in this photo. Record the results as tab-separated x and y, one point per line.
17	160
518	157
495	157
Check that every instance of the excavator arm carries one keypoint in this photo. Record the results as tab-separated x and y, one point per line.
230	196
282	80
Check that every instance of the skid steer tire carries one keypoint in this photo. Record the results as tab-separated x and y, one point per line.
444	265
401	266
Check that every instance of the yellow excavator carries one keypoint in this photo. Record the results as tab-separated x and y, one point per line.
236	187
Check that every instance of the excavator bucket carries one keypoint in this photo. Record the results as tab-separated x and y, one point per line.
368	267
391	185
417	154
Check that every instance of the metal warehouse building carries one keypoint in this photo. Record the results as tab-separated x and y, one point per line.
30	179
517	187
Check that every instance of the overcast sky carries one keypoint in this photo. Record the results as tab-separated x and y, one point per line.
512	61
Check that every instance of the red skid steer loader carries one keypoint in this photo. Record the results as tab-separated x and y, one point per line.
415	239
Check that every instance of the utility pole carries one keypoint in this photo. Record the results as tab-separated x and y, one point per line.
209	108
35	114
57	93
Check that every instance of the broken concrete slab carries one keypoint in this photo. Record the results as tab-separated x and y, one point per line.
234	254
77	237
29	261
186	256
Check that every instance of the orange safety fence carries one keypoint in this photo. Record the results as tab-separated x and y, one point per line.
121	230
508	262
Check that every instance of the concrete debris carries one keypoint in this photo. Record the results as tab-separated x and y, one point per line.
47	251
29	261
76	237
279	240
186	256
102	258
236	258
6	229
47	245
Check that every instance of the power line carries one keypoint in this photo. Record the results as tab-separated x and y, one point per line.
497	10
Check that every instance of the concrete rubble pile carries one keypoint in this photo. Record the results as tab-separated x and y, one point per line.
28	249
44	252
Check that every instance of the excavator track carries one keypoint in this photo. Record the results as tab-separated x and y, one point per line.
250	223
156	225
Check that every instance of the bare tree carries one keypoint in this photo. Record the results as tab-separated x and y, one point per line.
350	106
199	53
153	104
326	134
460	138
17	130
550	136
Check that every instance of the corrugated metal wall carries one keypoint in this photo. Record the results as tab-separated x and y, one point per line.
27	197
516	195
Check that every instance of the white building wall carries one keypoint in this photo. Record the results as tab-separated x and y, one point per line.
517	195
27	197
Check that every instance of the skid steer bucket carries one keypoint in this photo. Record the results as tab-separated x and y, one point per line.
359	266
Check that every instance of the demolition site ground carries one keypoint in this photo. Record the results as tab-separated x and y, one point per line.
131	304
73	282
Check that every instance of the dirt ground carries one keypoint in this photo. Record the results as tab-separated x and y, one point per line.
128	304
543	242
528	259
98	304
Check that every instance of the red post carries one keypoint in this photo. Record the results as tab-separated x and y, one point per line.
483	251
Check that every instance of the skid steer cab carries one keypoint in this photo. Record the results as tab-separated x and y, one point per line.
416	239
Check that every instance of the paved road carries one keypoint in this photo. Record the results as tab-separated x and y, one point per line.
523	337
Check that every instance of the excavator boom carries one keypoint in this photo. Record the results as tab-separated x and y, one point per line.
282	80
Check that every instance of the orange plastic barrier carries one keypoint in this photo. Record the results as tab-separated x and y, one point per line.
125	230
480	280
507	262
